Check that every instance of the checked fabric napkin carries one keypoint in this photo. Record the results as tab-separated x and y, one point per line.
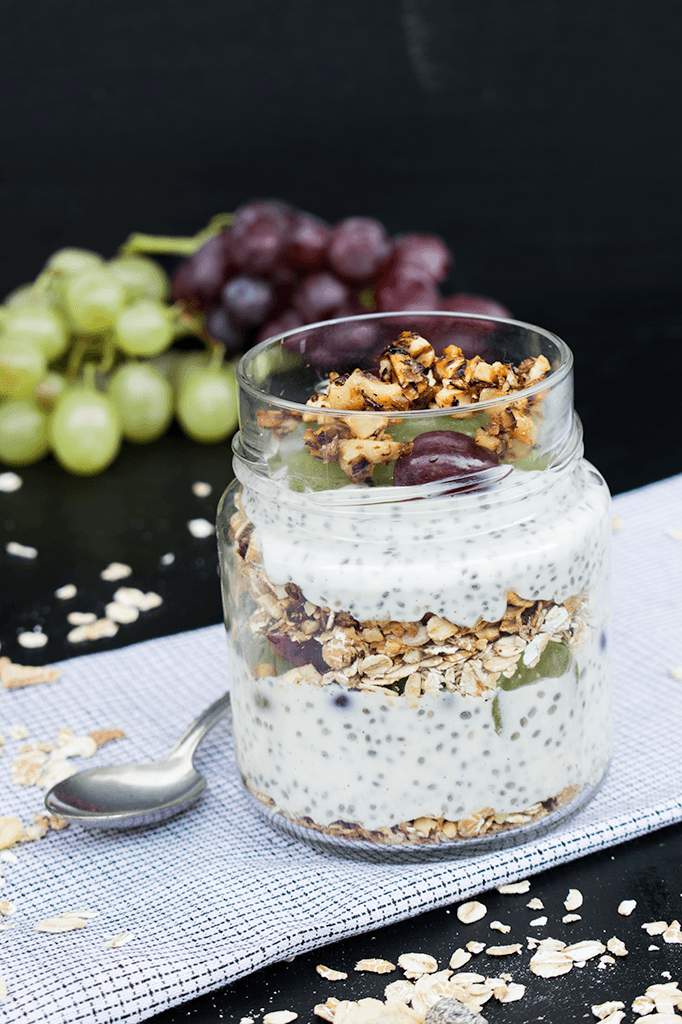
216	893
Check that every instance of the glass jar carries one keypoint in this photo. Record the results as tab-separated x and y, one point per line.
418	656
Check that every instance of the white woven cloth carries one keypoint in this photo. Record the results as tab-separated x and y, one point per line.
215	894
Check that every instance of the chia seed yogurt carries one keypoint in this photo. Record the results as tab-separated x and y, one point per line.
411	667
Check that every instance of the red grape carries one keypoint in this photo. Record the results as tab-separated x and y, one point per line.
425	253
259	234
305	653
309	239
223	329
289	320
247	300
358	248
443	455
401	287
319	296
462	303
198	280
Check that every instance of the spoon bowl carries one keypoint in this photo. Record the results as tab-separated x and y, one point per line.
130	795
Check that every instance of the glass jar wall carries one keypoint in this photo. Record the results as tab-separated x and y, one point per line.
414	567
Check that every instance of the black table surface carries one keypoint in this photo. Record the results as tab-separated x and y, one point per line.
627	353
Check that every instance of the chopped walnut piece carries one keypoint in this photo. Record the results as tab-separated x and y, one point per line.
358	456
362	390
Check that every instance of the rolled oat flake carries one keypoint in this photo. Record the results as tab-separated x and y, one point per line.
451	1011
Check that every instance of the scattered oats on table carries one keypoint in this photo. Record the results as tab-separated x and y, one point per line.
535	904
121	939
115	571
497	926
10	831
10	482
538	922
514	888
14	676
200	528
625	907
97	630
573	900
121	613
330	974
67	592
33	639
375	965
202	489
81	618
470	912
279	1017
12	547
167	559
3	988
135	598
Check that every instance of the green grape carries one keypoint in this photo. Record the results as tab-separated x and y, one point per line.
22	365
411	427
48	390
84	431
186	365
144	401
41	326
93	300
23	433
28	295
69	261
144	328
141	277
207	404
554	662
307	472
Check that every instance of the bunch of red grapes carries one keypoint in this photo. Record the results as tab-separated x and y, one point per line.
276	268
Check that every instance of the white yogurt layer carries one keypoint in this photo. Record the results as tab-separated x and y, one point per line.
329	753
456	557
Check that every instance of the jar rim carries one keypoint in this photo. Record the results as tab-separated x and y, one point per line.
554	377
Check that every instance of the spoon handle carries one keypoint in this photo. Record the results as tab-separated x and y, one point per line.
194	734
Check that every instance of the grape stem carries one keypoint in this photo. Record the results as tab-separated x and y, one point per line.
195	326
108	358
77	356
178	245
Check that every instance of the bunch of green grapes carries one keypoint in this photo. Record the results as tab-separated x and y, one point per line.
85	364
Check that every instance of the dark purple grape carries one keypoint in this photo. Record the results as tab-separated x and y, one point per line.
198	280
221	327
259	234
443	455
319	297
309	240
427	253
403	287
358	249
247	300
480	304
309	652
289	320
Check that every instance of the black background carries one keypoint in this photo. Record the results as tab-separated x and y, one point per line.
540	138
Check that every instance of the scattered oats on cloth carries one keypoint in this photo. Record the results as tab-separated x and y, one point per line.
215	894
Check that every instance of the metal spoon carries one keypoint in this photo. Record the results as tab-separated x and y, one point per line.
127	795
